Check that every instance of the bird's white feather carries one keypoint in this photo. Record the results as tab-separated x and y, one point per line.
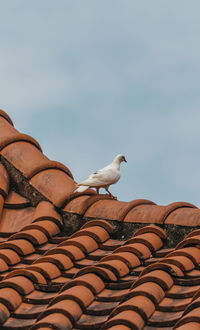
104	177
81	188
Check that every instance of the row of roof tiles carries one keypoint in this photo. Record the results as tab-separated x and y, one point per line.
89	280
56	183
109	269
19	283
45	223
100	288
156	298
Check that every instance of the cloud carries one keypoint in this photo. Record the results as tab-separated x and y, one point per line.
89	80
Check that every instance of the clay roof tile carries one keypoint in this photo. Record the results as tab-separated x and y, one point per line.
114	272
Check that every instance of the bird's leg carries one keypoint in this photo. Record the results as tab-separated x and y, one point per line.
97	189
109	193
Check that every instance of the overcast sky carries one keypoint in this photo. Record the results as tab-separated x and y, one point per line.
91	79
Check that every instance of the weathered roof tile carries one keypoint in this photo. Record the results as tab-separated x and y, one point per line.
134	265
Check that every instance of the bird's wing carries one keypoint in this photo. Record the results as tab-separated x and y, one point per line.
105	169
103	177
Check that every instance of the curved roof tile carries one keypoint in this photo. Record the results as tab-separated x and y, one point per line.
96	277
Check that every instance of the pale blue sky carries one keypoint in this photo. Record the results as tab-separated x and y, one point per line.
91	79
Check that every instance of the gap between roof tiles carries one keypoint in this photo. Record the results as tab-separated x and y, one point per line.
21	185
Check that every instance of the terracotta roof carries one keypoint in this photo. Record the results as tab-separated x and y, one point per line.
85	261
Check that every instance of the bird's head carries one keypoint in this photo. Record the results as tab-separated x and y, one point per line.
121	158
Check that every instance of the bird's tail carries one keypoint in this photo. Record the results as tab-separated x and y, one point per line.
81	188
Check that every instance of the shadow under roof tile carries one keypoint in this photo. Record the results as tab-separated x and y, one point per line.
62	261
195	232
13	220
109	295
97	255
34	276
129	258
158	276
173	304
20	283
76	205
48	227
91	321
56	321
189	325
96	232
39	297
191	316
25	157
14	323
79	204
49	164
3	266
10	298
35	236
120	327
1	204
170	268
86	243
154	213
190	241
73	252
164	319
186	216
16	138
182	262
111	244
104	209
85	262
9	256
90	280
195	303
46	211
16	201
140	304
54	184
190	252
67	307
28	310
139	249
29	160
152	229
4	313
112	209
182	292
4	181
128	317
106	274
193	274
152	290
47	269
21	246
116	265
47	328
151	240
101	308
102	223
79	293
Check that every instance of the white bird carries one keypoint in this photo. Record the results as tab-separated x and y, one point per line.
104	177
